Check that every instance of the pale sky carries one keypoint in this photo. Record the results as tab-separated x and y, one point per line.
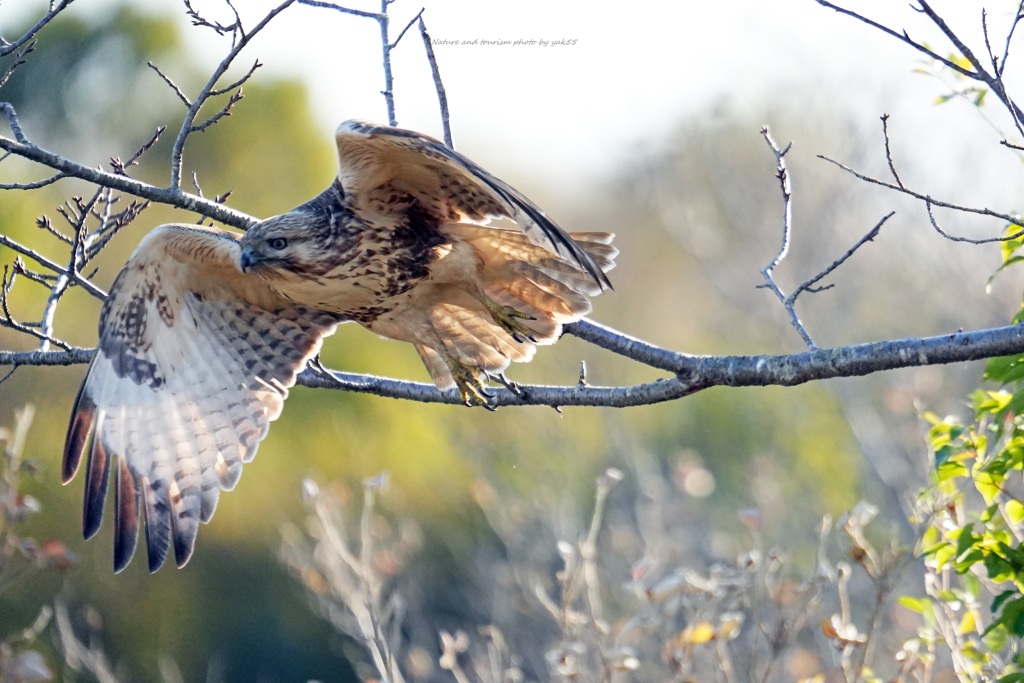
572	112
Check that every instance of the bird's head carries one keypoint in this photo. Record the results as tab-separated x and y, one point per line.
279	245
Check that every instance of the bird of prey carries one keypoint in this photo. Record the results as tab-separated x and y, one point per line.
400	243
204	331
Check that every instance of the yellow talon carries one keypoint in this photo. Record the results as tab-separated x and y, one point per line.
508	319
469	381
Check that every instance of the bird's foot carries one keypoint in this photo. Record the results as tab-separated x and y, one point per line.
470	382
514	387
508	319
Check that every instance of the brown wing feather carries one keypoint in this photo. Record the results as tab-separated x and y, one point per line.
194	361
374	156
512	271
126	515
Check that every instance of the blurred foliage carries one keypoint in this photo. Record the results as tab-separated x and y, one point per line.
474	490
974	516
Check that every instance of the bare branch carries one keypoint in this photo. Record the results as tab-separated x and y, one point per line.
13	122
35	185
220	29
19	59
693	373
172	196
809	284
43	223
37	330
8	47
50	265
338	8
407	27
903	37
237	84
442	97
888	151
980	73
188	126
121	168
385	45
1009	37
993	81
171	84
767	271
929	202
224	111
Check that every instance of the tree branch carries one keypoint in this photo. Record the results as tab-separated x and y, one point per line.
930	201
55	9
188	123
442	97
768	271
171	196
980	73
691	373
47	263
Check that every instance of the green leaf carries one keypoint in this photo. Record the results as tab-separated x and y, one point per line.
995	638
998	601
916	605
1015	511
988	485
994	401
1004	369
943	454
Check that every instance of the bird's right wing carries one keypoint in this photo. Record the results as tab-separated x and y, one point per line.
194	361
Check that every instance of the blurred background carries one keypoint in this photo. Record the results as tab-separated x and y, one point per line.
647	126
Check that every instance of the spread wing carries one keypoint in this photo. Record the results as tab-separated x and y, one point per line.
194	361
378	162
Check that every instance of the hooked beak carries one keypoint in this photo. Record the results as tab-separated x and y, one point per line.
247	260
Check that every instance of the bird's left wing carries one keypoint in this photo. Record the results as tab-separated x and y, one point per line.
193	363
399	161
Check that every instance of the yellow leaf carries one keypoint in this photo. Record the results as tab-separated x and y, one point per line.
696	634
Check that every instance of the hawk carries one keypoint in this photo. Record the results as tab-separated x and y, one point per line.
400	244
204	331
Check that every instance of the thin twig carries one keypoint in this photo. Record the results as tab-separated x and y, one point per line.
171	84
47	263
768	271
7	47
224	111
237	84
385	45
19	59
35	185
172	196
809	284
903	37
188	125
338	8
442	97
930	201
888	150
994	81
407	27
1019	14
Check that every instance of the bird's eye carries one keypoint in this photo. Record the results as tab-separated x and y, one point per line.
277	243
